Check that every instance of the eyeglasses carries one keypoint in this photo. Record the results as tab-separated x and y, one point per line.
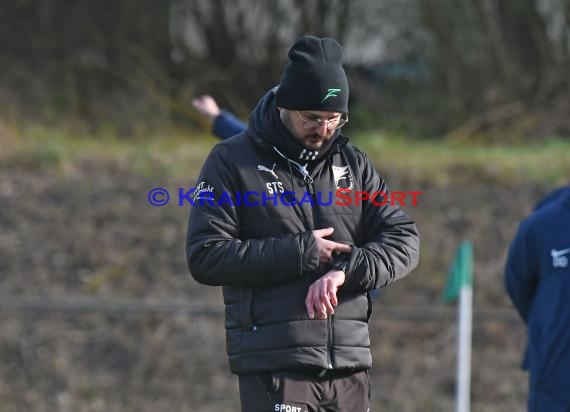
331	124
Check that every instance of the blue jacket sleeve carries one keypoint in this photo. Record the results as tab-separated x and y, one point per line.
521	271
227	125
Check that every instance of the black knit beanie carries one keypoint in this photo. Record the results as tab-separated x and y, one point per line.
314	78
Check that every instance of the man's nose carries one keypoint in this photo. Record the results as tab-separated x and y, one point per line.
323	129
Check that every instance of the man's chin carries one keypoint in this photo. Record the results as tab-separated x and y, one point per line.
314	144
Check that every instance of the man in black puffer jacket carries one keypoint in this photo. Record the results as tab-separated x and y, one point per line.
295	224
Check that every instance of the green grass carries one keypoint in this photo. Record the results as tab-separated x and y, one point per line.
180	153
173	152
544	162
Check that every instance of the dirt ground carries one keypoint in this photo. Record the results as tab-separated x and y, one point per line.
91	232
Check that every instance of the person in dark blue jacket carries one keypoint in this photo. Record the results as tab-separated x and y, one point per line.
225	124
537	278
551	197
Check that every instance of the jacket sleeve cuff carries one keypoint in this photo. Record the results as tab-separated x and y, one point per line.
341	263
309	253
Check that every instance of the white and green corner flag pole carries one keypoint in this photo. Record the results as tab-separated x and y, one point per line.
460	283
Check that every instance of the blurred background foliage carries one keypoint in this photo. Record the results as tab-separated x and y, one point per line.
430	68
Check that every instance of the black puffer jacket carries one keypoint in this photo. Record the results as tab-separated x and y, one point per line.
265	255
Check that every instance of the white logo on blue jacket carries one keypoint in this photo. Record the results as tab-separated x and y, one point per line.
559	260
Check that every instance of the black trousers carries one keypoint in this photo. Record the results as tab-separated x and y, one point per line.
301	392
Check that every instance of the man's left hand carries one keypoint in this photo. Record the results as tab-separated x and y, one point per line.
321	297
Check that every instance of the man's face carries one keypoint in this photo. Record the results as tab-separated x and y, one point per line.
306	128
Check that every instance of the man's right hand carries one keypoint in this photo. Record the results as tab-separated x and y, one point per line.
328	247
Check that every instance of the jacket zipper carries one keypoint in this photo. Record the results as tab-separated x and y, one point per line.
308	179
330	332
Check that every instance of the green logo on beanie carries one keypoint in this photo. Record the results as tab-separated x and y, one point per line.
331	93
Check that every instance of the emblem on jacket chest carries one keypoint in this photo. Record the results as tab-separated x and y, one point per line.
275	186
342	177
